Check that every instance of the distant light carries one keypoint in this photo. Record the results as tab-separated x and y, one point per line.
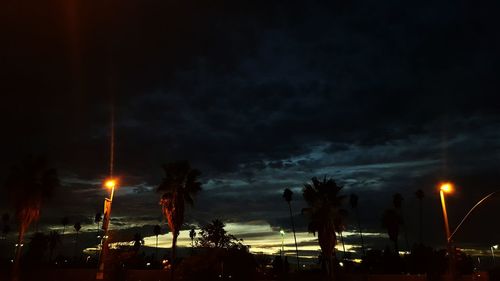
148	264
495	247
282	232
446	187
341	264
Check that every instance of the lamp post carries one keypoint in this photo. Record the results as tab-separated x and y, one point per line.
282	233
446	188
109	184
493	248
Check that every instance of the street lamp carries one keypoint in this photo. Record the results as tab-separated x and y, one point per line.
111	184
494	247
282	233
447	188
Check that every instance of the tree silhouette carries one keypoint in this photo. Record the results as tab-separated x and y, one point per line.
5	218
397	201
324	200
213	235
178	187
353	201
157	231
36	248
420	196
138	241
192	235
54	239
391	222
77	226
287	195
28	184
5	225
64	222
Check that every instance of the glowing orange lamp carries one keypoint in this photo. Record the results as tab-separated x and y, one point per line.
446	187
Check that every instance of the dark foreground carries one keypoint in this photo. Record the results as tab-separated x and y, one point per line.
162	275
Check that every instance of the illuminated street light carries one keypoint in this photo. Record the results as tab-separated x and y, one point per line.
282	233
446	188
110	183
494	247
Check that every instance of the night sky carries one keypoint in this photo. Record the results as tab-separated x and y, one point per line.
383	96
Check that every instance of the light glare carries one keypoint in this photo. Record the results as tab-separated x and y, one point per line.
110	183
446	187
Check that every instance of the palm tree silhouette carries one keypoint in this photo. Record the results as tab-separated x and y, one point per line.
353	201
28	184
178	187
64	222
77	226
397	201
54	239
157	231
420	196
324	200
391	221
192	235
287	195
